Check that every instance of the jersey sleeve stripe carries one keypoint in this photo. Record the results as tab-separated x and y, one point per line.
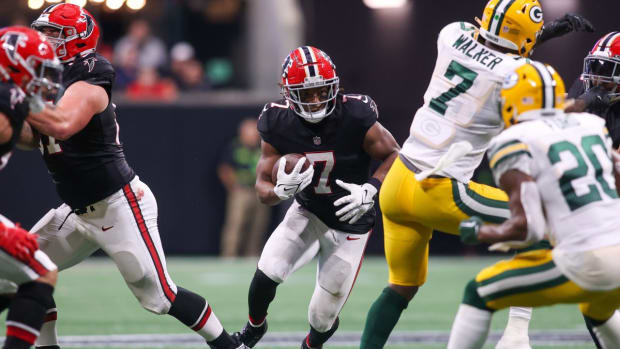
496	149
508	152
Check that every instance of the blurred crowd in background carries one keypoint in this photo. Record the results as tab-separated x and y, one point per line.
174	46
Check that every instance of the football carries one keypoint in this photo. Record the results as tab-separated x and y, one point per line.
291	161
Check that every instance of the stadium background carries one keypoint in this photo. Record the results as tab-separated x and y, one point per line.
174	145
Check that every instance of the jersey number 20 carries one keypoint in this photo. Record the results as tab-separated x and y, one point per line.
588	143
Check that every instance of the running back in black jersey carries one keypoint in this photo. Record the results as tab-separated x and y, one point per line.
90	165
334	146
14	106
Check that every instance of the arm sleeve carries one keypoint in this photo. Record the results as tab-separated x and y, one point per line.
576	89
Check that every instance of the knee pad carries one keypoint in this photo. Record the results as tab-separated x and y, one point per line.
471	296
334	276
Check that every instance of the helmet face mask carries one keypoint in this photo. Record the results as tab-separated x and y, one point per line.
601	67
309	83
47	81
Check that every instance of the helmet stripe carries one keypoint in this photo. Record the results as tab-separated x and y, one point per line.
548	88
304	60
503	7
310	60
603	46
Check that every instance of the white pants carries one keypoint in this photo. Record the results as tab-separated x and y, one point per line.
16	271
298	238
124	225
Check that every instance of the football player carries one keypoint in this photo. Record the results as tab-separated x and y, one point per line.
428	187
596	91
28	71
333	211
105	204
558	172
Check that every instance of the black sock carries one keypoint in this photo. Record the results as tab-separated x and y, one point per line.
188	307
590	324
26	314
4	302
316	339
262	292
224	341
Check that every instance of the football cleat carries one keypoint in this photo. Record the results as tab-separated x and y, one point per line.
250	335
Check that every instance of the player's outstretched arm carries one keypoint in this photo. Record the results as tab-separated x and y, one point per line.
381	145
564	25
526	223
264	187
72	113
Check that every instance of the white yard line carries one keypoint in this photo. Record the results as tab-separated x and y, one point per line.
288	339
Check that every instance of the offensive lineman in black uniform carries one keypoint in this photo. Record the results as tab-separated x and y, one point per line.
333	211
105	204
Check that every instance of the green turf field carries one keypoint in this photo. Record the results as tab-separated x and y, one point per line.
93	300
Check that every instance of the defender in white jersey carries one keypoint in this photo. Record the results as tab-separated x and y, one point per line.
428	187
558	171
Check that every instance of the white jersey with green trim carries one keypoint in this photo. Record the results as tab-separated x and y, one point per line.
569	157
461	102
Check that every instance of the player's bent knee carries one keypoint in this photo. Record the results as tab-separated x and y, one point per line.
336	281
157	307
277	271
50	278
407	292
471	296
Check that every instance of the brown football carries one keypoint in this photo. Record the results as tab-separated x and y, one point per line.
291	161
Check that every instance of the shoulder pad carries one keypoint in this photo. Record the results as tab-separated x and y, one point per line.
13	103
94	69
362	104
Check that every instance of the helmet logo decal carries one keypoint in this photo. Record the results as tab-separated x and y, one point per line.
536	14
288	62
43	49
10	42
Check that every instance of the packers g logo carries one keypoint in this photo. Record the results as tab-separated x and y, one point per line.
536	14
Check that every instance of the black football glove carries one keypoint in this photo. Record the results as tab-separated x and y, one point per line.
597	99
564	25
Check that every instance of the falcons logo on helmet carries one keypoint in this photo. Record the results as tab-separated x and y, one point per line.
10	42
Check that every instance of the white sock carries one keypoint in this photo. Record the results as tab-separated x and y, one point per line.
608	334
208	326
518	322
48	336
470	328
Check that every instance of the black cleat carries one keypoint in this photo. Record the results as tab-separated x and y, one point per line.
250	335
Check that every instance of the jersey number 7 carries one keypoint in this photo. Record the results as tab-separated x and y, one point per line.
438	104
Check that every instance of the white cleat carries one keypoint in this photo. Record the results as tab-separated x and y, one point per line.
514	342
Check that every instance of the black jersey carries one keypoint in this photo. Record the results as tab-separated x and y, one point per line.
611	114
14	106
90	165
334	146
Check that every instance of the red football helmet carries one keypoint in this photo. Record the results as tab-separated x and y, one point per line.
28	60
75	30
602	65
310	83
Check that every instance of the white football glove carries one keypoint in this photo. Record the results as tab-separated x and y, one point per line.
294	182
361	199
